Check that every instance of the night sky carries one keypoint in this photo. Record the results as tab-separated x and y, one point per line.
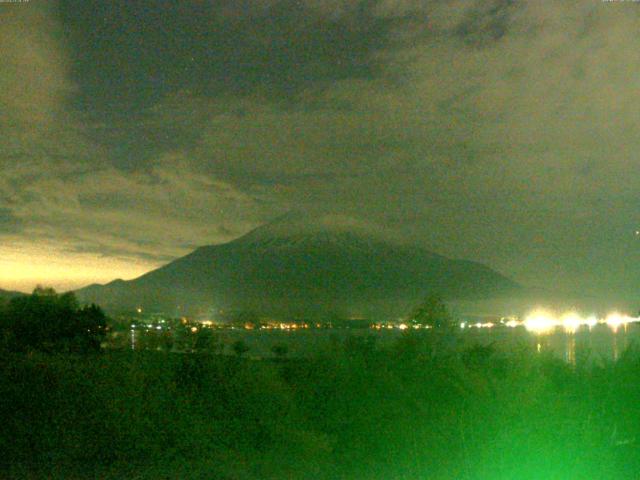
499	131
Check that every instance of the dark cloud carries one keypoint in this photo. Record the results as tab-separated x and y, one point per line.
9	223
127	57
496	130
486	22
128	54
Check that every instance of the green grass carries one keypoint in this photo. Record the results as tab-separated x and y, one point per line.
360	413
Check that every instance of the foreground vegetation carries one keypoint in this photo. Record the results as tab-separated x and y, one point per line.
357	412
49	322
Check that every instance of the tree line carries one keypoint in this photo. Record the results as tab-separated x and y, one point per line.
51	322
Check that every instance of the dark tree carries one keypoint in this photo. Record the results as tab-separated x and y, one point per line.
50	322
240	347
90	327
432	312
207	341
280	350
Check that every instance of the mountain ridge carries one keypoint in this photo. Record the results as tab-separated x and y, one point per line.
8	294
298	267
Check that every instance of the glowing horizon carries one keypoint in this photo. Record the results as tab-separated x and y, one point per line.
24	268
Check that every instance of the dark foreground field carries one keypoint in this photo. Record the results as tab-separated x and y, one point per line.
357	413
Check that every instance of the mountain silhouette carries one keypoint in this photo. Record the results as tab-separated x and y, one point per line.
8	295
303	266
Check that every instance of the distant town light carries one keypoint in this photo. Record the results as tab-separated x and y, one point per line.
591	321
571	322
543	322
540	322
615	320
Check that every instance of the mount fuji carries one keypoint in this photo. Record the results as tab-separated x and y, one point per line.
304	266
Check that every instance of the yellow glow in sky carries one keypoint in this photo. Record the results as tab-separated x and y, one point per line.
24	267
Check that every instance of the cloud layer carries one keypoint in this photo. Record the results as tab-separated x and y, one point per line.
499	131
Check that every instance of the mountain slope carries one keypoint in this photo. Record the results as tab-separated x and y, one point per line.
6	295
294	266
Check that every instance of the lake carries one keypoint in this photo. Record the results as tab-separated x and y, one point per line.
597	343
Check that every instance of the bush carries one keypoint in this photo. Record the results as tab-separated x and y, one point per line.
50	322
361	412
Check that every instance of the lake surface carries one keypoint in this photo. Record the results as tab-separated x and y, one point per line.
595	344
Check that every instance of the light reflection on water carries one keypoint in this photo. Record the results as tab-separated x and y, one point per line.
132	339
598	343
570	351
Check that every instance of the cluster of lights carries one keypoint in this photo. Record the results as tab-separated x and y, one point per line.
281	326
542	322
148	326
464	325
538	321
399	326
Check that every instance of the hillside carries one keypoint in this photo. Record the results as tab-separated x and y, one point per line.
296	267
7	295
